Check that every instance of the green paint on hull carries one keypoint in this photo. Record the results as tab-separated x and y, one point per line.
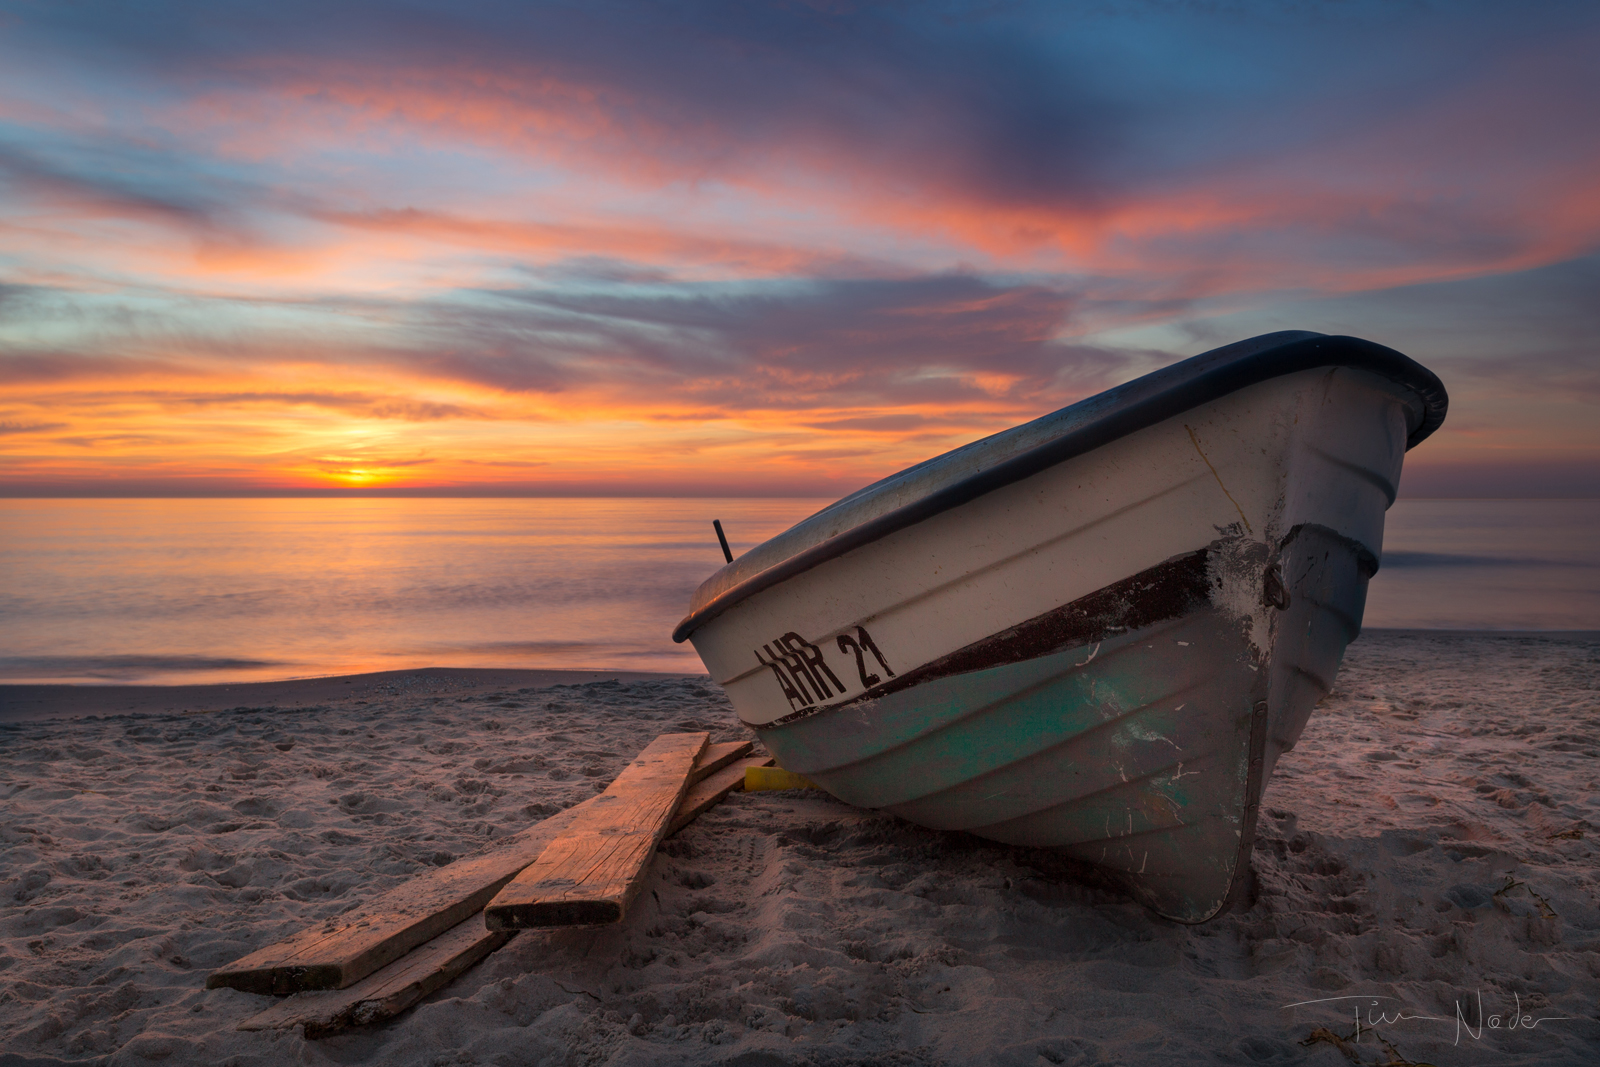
1144	754
996	745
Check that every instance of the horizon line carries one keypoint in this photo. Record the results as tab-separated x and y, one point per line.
289	494
168	493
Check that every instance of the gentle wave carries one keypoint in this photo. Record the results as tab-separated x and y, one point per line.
176	591
128	667
1455	559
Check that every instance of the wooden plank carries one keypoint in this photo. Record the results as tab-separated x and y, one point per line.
346	949
591	873
388	991
710	791
776	778
718	756
430	967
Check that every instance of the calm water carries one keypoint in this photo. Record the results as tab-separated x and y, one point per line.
1489	565
174	591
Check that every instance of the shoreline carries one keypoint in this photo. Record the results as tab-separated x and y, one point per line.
30	702
34	702
1404	631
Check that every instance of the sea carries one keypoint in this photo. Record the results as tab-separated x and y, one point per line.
226	590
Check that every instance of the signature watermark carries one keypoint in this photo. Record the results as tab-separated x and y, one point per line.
1378	1013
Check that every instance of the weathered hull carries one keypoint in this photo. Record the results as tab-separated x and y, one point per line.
1106	656
1142	751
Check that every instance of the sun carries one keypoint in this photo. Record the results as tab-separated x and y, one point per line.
347	475
359	476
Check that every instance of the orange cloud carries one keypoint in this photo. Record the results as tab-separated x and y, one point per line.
281	428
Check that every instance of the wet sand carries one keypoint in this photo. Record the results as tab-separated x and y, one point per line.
21	703
1430	841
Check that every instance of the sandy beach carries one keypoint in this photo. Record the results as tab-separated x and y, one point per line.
1428	846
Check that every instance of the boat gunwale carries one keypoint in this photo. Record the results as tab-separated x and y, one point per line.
1182	387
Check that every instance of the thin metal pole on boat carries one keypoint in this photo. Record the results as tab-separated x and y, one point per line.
722	538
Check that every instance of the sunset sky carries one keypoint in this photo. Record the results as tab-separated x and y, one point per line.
751	248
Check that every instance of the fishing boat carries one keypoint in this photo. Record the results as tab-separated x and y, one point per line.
1095	632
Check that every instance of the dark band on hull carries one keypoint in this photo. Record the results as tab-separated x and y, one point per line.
1168	590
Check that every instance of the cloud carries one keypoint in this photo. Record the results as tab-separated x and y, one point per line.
407	409
1020	127
368	462
779	345
1571	374
36	367
1534	332
627	240
594	253
116	441
1363	136
898	424
31	178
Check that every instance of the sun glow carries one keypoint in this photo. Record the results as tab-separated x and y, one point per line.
358	477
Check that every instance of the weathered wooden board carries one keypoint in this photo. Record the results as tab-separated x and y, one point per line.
344	950
592	871
389	990
392	989
718	756
710	791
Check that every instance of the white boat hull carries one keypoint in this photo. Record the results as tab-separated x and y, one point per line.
1106	656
